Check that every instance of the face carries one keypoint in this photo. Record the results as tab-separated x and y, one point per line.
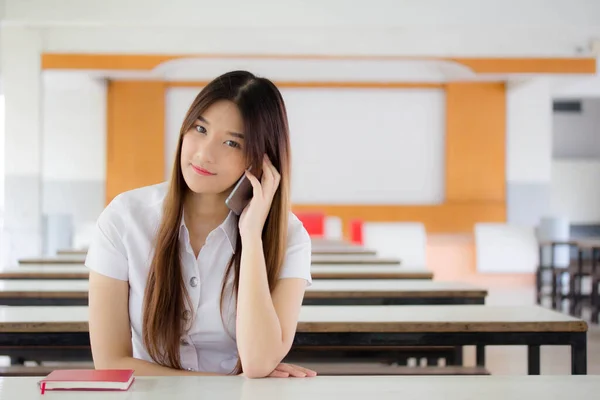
212	152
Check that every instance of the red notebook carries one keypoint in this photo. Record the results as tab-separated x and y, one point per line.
87	379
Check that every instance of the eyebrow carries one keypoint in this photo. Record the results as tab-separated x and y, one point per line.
234	134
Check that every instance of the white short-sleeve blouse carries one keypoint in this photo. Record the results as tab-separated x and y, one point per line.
122	248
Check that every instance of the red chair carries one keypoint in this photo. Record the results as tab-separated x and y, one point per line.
356	231
314	223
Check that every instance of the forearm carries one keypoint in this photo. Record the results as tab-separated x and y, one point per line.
146	368
259	335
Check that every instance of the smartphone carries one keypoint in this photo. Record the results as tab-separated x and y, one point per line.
240	196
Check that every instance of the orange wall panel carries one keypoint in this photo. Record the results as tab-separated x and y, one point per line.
444	218
135	135
475	142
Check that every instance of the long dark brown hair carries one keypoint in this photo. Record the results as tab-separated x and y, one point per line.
266	129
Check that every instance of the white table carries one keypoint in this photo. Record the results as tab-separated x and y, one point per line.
73	271
329	388
45	292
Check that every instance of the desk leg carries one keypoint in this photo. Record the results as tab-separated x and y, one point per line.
594	299
533	359
579	354
554	287
458	356
480	355
17	361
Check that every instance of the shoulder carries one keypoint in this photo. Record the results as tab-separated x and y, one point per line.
136	204
298	252
297	234
147	197
124	227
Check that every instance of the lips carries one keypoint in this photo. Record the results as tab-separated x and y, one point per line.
202	171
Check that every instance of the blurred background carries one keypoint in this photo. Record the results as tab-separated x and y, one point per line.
450	134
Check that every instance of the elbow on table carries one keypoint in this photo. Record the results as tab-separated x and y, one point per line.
256	369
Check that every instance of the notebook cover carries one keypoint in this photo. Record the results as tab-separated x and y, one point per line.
88	376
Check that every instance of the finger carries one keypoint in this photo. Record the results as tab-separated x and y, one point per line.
279	374
289	368
267	176
256	187
276	175
308	372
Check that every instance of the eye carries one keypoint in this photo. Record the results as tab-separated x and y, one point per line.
200	128
233	144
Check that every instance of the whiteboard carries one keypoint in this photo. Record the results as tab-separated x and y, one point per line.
353	146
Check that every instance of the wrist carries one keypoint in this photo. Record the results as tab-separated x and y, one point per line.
251	238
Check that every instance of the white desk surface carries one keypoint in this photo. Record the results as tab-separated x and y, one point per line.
336	259
323	268
329	388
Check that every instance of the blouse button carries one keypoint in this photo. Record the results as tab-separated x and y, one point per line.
194	282
187	314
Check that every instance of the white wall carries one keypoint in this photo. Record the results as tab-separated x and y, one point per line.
528	150
528	131
378	146
21	84
577	134
73	156
575	190
570	87
74	127
177	102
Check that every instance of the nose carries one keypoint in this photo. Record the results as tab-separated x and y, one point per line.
207	151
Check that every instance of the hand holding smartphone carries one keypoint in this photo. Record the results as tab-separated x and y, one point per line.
240	196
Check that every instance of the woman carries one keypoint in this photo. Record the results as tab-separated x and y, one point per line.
179	284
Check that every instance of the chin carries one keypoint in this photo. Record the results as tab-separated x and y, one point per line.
203	185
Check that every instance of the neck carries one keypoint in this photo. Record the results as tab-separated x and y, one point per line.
204	209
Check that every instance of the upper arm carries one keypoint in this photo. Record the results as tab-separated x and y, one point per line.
109	326
294	278
110	332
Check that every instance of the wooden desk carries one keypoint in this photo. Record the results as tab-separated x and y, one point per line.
72	271
391	292
356	259
47	272
335	258
446	325
44	292
328	387
342	250
318	249
64	260
35	330
368	272
71	252
322	292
